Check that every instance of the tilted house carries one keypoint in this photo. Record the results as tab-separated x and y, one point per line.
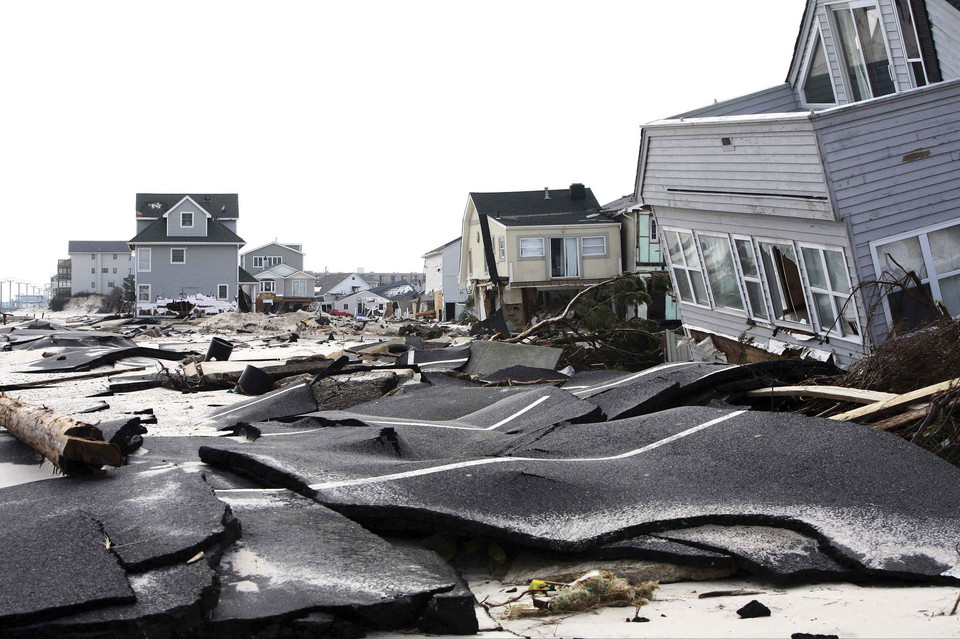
186	246
781	210
525	250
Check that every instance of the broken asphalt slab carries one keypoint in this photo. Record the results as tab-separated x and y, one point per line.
576	487
440	359
487	358
288	401
89	358
297	556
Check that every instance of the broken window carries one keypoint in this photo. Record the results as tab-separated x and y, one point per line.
531	247
818	86
686	267
564	257
751	278
860	31
829	280
721	271
782	270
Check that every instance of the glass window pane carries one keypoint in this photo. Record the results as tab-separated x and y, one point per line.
673	246
757	305
898	258
825	311
594	246
699	287
689	250
950	290
817	87
556	257
786	285
837	269
747	260
909	33
856	71
945	247
874	48
811	259
848	311
683	287
572	258
721	271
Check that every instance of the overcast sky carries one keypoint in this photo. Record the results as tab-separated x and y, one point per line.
356	128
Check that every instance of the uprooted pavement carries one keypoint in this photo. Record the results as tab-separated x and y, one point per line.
316	507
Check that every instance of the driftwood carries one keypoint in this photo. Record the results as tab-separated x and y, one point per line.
898	401
75	448
839	393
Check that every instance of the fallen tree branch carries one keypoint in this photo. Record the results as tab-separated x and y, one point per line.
75	448
559	318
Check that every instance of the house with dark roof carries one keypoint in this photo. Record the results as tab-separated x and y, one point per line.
393	298
272	254
95	266
523	251
816	216
330	287
186	247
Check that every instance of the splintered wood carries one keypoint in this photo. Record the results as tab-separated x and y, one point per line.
73	447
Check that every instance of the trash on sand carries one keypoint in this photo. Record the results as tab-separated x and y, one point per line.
596	589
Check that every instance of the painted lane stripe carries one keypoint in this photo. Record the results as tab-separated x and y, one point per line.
295	432
212	418
500	460
442	361
442	425
649	371
250	490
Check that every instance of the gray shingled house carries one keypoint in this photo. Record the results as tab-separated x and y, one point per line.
817	214
186	245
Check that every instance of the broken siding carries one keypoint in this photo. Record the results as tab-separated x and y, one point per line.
770	167
945	23
895	167
778	99
732	326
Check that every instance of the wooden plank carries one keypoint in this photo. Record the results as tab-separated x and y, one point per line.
838	393
898	401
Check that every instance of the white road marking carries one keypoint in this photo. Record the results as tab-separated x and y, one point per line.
500	460
644	373
442	361
295	432
251	490
441	425
212	418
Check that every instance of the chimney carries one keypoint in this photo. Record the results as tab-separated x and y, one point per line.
546	192
577	191
207	199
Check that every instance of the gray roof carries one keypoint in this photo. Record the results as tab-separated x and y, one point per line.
97	246
323	282
626	202
395	291
440	248
216	204
216	232
532	208
245	277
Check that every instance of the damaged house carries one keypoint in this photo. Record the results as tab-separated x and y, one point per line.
278	270
393	299
524	251
186	248
817	214
442	290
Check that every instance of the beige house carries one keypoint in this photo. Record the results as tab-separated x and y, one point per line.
526	251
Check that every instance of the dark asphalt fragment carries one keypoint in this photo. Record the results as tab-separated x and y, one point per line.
753	610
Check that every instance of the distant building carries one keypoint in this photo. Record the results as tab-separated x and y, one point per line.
95	266
61	285
377	278
441	284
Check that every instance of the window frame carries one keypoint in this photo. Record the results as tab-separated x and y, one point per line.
653	236
226	295
850	5
140	288
602	255
272	288
294	285
192	218
850	298
178	248
684	267
811	327
563	244
270	261
817	36
501	248
903	42
743	313
144	251
543	248
933	277
255	258
759	279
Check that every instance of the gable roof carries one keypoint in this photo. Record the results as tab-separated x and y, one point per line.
281	271
395	291
326	281
218	205
156	233
439	249
245	277
97	246
289	247
533	208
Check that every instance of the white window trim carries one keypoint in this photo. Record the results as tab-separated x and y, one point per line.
818	32
833	333
685	268
255	258
193	217
293	288
602	238
227	288
148	252
903	45
933	277
270	261
272	285
543	248
653	230
501	248
149	293
759	279
178	248
579	275
844	73
810	328
706	279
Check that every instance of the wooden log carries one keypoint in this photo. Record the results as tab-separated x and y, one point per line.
839	393
903	419
73	447
897	402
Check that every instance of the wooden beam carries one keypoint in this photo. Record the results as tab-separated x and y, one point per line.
74	447
897	402
839	393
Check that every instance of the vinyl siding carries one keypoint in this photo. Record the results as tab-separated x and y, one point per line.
828	233
199	228
778	99
884	184
290	258
205	268
945	23
774	167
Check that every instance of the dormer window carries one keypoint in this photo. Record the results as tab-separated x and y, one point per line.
817	85
869	73
911	43
186	219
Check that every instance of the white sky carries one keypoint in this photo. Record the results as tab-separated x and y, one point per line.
356	128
